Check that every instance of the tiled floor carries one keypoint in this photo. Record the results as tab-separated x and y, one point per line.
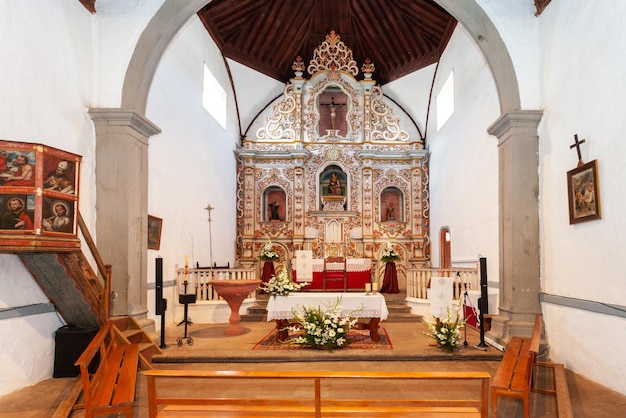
589	400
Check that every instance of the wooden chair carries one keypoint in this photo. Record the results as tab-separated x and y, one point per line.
335	269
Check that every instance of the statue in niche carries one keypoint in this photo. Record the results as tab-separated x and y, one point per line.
276	204
274	211
391	212
334	185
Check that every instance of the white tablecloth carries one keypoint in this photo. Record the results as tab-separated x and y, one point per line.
358	305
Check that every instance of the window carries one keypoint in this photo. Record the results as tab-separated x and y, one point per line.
214	98
445	101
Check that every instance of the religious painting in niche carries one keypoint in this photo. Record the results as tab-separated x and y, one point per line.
59	175
155	226
17	212
333	108
58	215
275	203
391	205
17	168
583	193
333	181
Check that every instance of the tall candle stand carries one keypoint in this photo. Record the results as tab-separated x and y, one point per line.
185	299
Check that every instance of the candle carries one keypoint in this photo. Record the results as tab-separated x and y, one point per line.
368	287
186	259
375	287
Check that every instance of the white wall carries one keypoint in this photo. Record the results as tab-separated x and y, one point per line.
45	82
254	92
411	92
464	159
192	162
583	93
517	25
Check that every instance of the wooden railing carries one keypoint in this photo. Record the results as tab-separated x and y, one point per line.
418	280
198	280
104	269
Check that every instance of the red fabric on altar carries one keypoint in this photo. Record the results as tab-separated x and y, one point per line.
390	282
356	281
268	271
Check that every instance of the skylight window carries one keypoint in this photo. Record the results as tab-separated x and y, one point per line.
214	98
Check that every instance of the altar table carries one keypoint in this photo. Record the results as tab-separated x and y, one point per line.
358	274
281	308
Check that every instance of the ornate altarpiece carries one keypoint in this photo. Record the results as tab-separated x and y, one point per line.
332	166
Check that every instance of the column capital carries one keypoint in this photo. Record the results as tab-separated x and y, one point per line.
110	120
524	122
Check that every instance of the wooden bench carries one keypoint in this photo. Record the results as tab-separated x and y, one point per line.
515	373
175	394
561	389
111	389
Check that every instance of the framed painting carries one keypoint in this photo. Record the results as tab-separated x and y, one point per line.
583	193
155	225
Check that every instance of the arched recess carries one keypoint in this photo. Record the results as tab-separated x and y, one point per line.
274	204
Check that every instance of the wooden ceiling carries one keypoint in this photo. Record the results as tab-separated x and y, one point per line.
399	36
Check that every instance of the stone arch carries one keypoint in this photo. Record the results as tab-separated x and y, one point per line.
172	16
516	131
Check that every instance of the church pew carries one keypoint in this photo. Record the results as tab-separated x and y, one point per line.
561	390
111	389
208	400
514	377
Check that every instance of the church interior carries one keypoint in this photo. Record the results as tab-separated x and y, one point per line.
149	149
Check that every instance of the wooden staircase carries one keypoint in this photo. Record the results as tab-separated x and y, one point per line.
399	311
80	295
129	331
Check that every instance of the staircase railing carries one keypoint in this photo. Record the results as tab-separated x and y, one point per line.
418	280
103	269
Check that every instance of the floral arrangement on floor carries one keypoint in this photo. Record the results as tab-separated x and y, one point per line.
268	253
447	331
389	254
322	328
281	285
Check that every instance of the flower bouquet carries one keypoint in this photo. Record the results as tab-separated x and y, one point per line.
322	328
281	285
447	331
389	254
268	253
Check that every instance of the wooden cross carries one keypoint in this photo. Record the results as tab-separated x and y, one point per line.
577	145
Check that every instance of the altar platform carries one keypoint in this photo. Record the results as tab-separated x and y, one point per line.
407	340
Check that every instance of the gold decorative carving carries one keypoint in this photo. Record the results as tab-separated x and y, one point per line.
333	55
281	124
385	126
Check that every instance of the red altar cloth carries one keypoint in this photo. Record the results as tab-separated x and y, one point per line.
267	272
390	282
355	281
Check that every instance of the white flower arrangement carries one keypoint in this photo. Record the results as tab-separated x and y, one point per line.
281	285
447	331
322	328
268	253
389	254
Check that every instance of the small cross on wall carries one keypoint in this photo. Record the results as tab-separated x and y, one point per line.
577	144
